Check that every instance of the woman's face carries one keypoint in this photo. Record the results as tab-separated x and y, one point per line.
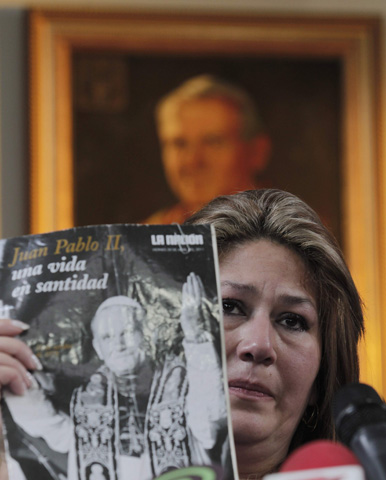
272	338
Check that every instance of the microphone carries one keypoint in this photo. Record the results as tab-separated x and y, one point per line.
320	460
360	420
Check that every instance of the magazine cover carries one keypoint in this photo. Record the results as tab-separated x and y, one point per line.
125	321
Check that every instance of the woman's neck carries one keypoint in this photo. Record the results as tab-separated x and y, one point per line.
256	460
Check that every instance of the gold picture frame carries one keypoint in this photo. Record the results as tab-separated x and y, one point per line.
55	35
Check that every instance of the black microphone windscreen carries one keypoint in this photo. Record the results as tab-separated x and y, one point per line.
356	405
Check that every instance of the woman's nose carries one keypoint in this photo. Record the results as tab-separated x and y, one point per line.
257	343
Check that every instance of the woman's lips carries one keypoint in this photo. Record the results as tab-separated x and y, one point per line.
249	390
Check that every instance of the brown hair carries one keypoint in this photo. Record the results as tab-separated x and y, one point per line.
284	218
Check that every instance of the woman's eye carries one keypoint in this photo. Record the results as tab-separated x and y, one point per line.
232	307
295	322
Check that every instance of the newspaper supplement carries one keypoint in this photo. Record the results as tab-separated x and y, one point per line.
126	323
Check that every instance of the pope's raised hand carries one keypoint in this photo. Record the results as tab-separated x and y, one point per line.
192	317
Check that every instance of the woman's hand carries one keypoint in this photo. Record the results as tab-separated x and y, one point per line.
16	358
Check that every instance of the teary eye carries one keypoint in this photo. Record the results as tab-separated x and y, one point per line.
294	321
232	307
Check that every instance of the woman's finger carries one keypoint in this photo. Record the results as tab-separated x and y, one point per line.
8	362
12	327
19	350
11	378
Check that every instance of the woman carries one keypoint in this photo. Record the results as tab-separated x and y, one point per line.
292	319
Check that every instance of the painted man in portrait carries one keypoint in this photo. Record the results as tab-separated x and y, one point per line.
212	143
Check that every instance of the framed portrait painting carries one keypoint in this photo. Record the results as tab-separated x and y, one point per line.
96	78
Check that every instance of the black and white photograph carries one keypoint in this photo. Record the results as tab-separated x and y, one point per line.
124	324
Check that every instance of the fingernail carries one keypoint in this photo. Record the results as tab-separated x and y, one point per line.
36	361
32	380
20	324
